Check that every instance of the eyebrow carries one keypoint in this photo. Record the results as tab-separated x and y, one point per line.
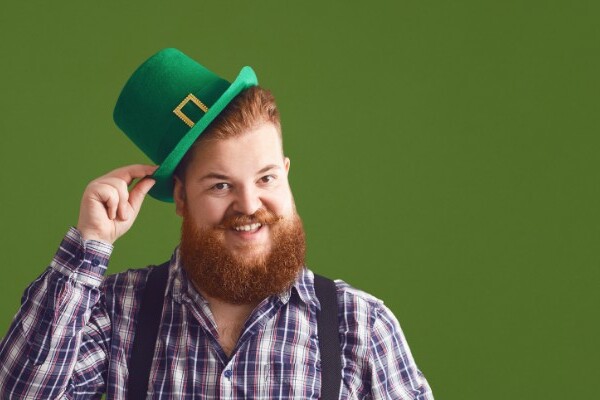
268	168
215	175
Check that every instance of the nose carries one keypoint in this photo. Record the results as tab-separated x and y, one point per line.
247	201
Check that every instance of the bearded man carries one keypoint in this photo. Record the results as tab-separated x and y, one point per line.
238	316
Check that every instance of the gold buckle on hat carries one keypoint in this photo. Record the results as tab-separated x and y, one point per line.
182	116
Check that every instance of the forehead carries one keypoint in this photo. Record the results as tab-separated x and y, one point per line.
251	149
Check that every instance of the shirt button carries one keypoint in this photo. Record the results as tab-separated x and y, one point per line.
95	262
228	374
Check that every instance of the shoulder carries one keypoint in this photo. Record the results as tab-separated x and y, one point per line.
358	311
363	318
123	290
359	304
350	300
347	292
133	278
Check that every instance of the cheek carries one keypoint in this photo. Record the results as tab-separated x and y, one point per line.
207	213
283	203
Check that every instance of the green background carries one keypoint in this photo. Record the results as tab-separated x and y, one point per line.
444	158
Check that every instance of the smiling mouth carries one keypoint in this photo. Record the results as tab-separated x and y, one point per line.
248	228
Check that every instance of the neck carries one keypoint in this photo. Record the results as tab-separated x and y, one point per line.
233	311
229	319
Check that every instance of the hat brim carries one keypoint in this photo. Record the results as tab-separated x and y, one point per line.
163	188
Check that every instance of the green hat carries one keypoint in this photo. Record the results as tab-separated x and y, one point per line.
167	103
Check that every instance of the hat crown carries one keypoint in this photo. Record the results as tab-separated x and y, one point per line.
166	105
146	105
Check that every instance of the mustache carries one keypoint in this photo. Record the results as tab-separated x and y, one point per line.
262	216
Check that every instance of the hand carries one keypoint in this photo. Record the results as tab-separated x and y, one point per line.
108	209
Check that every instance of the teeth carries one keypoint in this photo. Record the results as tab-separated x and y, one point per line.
248	228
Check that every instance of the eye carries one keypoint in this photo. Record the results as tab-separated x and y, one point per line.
221	186
267	179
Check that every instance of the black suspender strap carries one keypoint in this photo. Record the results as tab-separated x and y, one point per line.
150	313
329	339
146	332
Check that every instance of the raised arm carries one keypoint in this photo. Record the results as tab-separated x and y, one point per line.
57	344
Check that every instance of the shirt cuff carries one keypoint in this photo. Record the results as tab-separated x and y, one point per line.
85	261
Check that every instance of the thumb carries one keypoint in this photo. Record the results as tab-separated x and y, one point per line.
138	193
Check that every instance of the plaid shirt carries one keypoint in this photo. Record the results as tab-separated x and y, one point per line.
72	339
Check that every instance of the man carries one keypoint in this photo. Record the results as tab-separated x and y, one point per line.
239	314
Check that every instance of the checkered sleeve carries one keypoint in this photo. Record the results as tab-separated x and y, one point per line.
60	324
394	372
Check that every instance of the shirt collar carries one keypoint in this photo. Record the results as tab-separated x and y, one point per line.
305	287
180	285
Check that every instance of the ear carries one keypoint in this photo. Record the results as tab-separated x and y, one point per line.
286	164
179	196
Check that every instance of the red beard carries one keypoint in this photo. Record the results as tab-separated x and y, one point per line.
218	273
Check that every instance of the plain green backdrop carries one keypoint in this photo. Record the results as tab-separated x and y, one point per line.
444	158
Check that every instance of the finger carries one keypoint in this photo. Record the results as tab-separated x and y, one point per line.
122	211
138	193
108	196
131	172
